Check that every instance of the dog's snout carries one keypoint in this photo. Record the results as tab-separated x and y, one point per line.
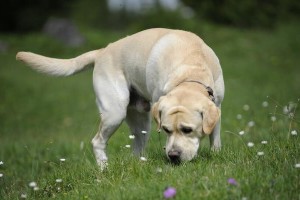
174	156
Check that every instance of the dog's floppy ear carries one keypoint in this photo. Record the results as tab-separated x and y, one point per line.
156	113
210	117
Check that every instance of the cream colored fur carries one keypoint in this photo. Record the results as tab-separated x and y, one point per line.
57	67
150	67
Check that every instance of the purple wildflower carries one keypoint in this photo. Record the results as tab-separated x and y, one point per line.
169	192
232	181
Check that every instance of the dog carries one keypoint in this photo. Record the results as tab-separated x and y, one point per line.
172	74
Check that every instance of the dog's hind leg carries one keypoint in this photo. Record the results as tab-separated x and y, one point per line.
112	101
139	124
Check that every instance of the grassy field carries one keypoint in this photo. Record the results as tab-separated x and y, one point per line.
44	120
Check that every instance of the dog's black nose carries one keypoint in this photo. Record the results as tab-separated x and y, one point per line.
174	156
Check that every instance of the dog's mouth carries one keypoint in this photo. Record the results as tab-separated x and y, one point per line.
175	161
177	157
174	156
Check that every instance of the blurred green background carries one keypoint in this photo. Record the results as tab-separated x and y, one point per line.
28	15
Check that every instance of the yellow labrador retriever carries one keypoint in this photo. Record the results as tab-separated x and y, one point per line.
172	70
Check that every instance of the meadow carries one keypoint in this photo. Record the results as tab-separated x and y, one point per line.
47	123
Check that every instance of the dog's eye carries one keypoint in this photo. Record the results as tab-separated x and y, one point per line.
167	130
186	130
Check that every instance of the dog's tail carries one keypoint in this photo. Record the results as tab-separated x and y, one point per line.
57	67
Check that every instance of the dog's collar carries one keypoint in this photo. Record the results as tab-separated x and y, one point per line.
208	89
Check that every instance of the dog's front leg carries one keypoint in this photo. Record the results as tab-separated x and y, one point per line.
215	138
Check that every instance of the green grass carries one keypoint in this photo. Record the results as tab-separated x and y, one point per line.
43	119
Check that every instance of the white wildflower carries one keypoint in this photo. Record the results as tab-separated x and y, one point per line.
144	132
291	115
264	142
58	180
131	137
265	104
81	145
143	158
239	116
251	123
32	184
1	162
241	132
23	196
285	110
273	118
159	170
62	160
127	146
246	107
294	132
36	188
1	175
250	144
289	108
297	165
260	153
98	180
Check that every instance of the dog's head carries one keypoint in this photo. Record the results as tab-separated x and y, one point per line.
185	116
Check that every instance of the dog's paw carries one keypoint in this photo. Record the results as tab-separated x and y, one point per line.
215	148
103	165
